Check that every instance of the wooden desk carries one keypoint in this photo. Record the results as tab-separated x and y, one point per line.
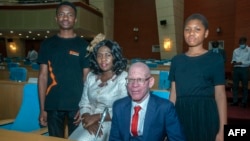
8	135
11	94
161	67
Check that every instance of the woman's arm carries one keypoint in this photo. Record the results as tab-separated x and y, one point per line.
173	92
221	101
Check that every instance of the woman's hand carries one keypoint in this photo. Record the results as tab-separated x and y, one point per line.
91	123
88	120
92	129
219	137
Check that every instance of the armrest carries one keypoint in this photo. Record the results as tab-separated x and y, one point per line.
6	121
41	131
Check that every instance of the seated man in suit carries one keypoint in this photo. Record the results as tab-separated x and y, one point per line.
141	116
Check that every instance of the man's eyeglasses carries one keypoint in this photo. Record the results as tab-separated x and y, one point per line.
140	81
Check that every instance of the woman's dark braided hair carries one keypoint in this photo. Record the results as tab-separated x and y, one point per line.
119	63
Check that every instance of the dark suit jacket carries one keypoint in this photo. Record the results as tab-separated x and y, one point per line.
160	121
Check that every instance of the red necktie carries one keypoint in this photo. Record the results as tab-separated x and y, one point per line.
135	120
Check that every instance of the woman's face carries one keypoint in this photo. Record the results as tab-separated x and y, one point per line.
105	59
195	33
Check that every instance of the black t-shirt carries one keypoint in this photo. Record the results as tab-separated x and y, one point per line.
65	59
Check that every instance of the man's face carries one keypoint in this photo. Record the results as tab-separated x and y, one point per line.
139	83
66	17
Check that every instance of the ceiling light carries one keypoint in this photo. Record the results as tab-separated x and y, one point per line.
30	31
11	31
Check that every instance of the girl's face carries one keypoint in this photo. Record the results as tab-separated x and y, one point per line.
105	59
195	33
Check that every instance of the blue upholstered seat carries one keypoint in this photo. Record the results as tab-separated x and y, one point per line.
27	119
152	65
35	66
161	93
164	83
7	60
18	74
26	62
12	65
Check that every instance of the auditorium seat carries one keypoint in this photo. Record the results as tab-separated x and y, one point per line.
161	93
18	74
28	115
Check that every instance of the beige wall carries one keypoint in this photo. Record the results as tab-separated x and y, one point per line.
27	19
43	19
107	8
172	12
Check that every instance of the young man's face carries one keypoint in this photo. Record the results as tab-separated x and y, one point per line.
66	17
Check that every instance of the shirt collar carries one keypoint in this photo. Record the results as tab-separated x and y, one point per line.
143	104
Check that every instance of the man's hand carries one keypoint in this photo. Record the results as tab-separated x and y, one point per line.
237	63
43	118
77	118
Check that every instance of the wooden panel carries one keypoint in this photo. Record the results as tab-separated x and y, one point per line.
161	67
7	135
156	77
142	14
10	98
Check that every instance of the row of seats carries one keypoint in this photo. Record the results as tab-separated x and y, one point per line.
13	59
18	73
161	79
34	66
27	117
161	62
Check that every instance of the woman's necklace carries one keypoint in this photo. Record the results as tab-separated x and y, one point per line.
104	82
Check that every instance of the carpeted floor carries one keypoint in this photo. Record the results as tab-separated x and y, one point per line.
237	114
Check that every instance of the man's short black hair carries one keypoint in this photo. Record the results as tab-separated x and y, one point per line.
68	4
242	40
215	43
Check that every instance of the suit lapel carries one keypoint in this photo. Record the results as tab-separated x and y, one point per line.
126	116
150	113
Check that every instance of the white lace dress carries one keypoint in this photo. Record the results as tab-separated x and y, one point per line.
95	99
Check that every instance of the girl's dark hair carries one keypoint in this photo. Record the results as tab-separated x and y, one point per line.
198	16
119	63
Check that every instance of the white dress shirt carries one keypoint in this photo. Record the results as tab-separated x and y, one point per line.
241	55
142	114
